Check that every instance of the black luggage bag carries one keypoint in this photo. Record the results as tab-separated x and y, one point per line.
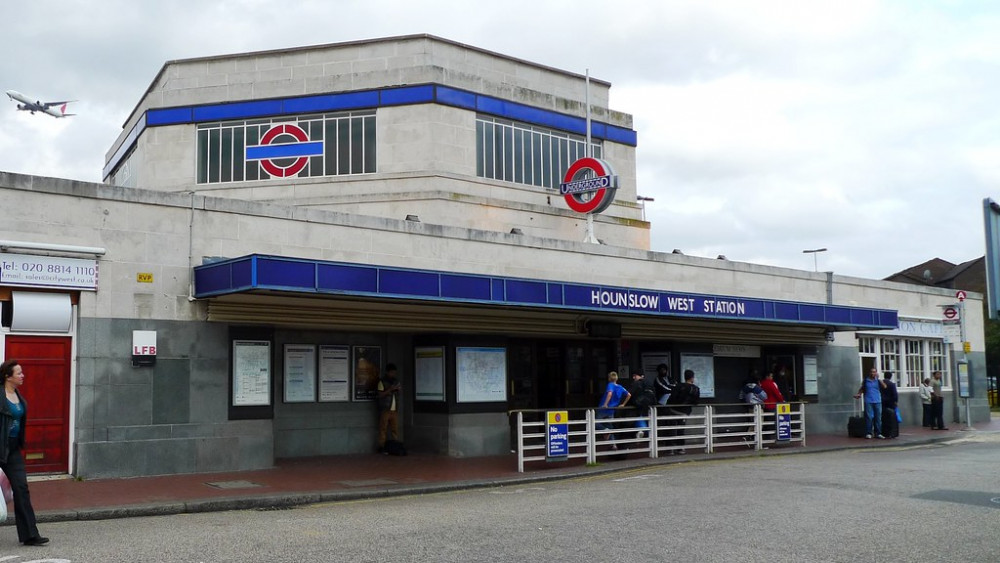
856	426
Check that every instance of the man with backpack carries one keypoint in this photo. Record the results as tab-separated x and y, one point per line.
685	395
643	397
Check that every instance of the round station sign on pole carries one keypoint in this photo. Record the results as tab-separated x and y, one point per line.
589	185
950	312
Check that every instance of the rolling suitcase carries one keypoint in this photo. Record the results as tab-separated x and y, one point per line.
856	427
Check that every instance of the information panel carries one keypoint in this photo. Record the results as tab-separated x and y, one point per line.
300	373
334	373
703	366
251	373
481	374
367	370
811	375
429	376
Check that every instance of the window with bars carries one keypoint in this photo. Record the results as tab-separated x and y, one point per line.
307	146
915	365
889	356
523	154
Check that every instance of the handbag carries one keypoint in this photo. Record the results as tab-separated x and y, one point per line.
8	495
899	415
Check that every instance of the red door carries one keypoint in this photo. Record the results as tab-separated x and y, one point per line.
46	362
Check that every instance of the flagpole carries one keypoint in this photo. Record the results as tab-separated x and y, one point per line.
589	152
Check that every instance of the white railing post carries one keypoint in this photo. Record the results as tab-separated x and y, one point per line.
758	428
651	430
709	430
591	438
802	422
520	442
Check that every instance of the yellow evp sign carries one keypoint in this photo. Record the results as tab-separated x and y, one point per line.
784	408
144	277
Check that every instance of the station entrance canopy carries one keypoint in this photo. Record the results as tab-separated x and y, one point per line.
286	291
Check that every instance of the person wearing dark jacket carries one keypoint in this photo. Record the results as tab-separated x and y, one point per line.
13	419
890	400
684	395
663	385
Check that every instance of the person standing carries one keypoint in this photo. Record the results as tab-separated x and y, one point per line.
685	395
937	403
13	419
890	400
772	398
663	385
643	397
925	401
871	388
614	396
388	406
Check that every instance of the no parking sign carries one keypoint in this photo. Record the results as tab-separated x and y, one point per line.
557	435
784	425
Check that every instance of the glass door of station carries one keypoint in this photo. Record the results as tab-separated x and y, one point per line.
556	374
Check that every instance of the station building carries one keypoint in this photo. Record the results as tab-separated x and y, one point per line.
275	227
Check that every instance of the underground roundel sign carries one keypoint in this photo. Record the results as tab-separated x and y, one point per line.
284	150
589	185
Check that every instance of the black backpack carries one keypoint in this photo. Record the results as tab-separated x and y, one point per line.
645	399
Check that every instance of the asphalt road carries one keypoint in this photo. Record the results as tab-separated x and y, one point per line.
908	504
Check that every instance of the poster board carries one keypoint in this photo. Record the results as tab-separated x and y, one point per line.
653	359
481	374
367	370
703	366
300	373
811	375
251	373
428	364
334	373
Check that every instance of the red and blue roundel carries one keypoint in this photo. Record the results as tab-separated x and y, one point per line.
589	185
284	150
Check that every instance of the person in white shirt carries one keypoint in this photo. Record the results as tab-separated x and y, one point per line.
925	401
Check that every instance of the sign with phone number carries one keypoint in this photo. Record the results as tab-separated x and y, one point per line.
25	270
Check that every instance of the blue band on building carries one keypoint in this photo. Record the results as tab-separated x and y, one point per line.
259	272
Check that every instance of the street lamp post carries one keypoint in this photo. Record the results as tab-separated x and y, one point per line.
814	252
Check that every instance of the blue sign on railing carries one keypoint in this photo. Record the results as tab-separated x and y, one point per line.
784	423
557	435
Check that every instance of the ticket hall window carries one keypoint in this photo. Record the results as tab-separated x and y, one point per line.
523	154
305	146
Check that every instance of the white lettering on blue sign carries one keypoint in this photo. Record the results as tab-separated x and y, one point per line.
725	307
624	299
680	304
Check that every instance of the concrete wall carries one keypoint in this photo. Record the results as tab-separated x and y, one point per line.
168	418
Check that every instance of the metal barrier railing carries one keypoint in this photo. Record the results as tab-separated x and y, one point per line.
662	430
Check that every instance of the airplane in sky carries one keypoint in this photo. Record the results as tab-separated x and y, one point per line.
55	109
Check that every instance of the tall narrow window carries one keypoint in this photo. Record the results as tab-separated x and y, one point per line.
524	154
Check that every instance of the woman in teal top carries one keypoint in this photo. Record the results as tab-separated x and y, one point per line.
13	414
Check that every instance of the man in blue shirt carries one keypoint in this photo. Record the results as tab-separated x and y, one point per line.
614	396
871	388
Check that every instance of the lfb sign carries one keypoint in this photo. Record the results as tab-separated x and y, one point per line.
143	347
589	185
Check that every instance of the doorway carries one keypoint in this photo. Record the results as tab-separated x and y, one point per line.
46	364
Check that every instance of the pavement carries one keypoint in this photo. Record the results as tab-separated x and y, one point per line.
294	482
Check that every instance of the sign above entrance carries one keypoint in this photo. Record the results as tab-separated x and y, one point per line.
281	274
589	185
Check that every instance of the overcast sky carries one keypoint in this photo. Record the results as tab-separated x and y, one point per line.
765	127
